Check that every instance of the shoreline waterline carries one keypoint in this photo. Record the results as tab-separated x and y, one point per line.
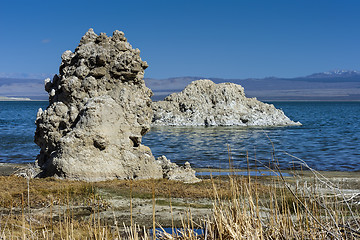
8	169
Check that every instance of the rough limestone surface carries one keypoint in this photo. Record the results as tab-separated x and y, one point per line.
172	171
99	109
204	103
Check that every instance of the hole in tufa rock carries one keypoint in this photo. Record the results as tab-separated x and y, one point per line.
135	141
100	144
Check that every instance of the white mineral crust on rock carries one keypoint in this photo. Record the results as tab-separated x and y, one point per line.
204	103
99	109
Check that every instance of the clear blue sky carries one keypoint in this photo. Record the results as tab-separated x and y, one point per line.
228	39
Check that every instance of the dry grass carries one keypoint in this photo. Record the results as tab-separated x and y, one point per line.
164	188
285	212
42	192
243	208
282	217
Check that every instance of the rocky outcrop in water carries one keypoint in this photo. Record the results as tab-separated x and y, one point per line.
204	103
172	171
99	109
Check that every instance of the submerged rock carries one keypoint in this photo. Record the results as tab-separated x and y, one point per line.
204	103
99	109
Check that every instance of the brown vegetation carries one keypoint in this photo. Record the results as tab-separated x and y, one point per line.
238	208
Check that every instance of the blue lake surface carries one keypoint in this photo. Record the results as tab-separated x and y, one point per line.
328	139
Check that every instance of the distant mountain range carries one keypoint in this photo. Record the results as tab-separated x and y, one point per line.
336	85
336	74
326	86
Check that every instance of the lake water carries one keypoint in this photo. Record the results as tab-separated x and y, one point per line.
328	139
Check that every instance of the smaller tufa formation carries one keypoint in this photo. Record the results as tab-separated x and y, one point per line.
204	103
172	171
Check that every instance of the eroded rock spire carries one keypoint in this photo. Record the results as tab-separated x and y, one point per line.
99	109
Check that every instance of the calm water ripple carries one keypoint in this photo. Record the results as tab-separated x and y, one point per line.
328	139
17	129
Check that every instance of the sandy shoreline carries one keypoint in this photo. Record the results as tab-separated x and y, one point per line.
7	169
350	181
